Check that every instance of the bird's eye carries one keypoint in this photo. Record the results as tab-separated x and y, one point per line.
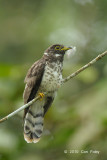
57	48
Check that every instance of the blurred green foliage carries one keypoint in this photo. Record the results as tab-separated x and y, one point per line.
77	119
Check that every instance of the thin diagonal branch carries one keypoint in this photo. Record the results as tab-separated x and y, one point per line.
19	109
64	80
85	66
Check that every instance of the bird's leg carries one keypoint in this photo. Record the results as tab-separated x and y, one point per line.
41	96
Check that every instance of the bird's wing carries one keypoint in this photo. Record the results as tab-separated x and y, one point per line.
33	80
48	103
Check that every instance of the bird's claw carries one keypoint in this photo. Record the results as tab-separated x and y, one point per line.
41	96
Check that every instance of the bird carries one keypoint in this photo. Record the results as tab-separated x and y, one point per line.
44	76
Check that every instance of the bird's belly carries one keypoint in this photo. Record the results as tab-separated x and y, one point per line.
50	84
51	81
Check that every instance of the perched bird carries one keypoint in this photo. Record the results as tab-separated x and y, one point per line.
44	76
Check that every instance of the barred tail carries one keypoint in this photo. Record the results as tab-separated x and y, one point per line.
33	125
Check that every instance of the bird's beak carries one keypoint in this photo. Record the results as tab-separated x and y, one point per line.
66	48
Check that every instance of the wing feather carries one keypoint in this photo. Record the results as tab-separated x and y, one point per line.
48	103
33	80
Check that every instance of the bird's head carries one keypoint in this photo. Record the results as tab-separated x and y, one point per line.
56	50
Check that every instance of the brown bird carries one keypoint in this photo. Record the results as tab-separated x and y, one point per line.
45	75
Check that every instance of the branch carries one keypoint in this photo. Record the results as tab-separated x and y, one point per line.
20	109
64	80
84	67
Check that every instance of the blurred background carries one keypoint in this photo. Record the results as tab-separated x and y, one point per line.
77	120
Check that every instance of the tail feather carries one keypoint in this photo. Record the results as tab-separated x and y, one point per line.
33	125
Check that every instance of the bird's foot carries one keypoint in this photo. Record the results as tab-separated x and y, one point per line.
41	96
